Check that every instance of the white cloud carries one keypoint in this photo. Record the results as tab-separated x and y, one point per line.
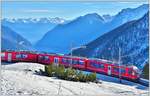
38	11
88	3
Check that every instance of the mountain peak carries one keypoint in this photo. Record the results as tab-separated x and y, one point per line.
93	16
141	7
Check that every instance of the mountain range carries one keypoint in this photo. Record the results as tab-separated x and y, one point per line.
29	27
85	29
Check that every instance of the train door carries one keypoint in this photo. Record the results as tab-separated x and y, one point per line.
9	57
3	56
109	70
56	61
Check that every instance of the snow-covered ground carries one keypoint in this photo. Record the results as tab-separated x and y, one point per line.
20	79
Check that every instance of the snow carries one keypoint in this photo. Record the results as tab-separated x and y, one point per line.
20	79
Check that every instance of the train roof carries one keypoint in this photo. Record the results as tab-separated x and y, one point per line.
108	61
103	60
68	56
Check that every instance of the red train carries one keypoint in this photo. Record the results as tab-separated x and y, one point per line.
94	65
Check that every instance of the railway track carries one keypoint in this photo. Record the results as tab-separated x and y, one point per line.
143	82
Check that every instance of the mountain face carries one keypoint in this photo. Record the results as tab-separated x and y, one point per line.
131	38
13	41
85	29
78	32
126	15
29	27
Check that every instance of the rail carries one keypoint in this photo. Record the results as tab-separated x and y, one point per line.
144	82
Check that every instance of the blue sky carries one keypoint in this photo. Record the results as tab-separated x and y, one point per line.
66	10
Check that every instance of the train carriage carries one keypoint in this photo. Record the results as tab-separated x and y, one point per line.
112	69
95	66
74	62
44	59
26	57
18	57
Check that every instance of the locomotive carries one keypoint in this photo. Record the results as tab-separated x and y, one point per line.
88	64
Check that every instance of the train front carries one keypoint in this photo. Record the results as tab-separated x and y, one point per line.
136	72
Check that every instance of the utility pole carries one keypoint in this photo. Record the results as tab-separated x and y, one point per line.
119	61
74	48
71	54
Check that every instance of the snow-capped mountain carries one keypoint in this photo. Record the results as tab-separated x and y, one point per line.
85	29
56	20
13	41
131	38
107	17
79	31
29	27
126	15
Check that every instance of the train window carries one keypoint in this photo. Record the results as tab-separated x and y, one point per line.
64	60
21	56
93	64
81	62
18	56
69	61
129	71
101	66
41	57
24	56
46	58
123	71
116	69
2	55
96	65
75	62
